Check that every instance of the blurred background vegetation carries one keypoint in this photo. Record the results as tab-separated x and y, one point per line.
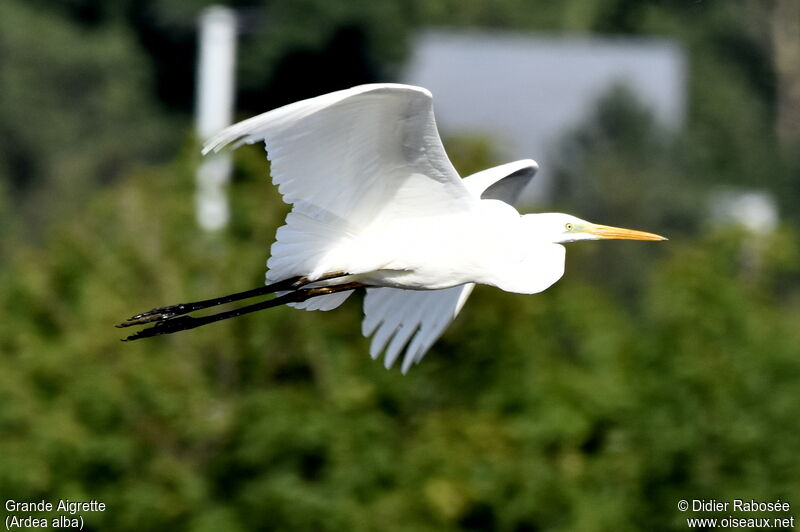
649	374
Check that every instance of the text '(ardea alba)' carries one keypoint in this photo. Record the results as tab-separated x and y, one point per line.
377	204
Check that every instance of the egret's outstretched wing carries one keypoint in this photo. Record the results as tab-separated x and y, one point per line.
410	319
357	154
504	182
415	319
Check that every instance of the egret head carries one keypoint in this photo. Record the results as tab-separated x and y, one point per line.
562	228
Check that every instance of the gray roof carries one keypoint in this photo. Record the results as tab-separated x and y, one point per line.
527	90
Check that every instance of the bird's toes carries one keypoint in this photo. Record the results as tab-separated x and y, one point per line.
162	326
168	311
141	319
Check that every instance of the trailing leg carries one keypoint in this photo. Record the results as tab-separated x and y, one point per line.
181	322
171	311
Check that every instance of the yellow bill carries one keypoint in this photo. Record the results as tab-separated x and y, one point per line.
609	232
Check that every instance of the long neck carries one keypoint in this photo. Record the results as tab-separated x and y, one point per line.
527	262
541	266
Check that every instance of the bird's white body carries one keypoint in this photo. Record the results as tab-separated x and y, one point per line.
480	246
375	196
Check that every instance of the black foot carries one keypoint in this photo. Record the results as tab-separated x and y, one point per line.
180	323
157	314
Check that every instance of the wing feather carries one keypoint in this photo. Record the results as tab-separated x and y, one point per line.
356	157
408	317
349	161
356	153
415	319
505	182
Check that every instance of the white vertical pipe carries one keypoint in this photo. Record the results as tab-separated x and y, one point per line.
215	92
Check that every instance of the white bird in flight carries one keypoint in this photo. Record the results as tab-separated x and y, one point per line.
377	204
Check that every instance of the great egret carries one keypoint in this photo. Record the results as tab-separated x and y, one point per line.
377	204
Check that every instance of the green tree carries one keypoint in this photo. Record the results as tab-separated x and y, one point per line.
75	110
572	409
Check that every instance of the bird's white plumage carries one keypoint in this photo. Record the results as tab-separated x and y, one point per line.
358	155
349	161
415	319
505	182
374	195
376	204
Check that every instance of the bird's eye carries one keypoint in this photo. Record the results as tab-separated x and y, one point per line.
568	227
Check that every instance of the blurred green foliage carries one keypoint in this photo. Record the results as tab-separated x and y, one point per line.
570	410
76	111
647	375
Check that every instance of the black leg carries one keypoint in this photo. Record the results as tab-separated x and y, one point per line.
182	323
171	311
